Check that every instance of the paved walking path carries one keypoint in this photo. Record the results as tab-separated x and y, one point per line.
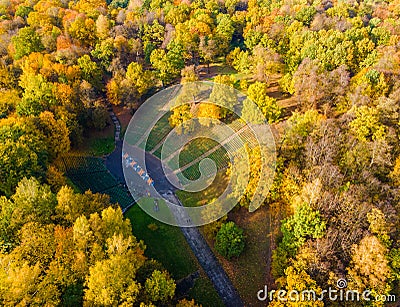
207	259
114	160
116	123
196	241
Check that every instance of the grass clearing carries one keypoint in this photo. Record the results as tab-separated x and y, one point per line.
158	132
97	143
166	244
219	156
215	69
195	199
97	147
101	147
195	148
253	261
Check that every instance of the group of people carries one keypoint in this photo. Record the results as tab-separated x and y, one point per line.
130	162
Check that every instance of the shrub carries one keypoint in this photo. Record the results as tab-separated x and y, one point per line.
229	241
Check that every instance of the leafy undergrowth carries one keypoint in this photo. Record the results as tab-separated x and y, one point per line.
204	293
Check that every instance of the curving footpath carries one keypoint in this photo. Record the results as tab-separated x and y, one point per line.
196	241
116	123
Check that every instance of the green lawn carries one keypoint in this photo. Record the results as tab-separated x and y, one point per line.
168	245
194	199
159	131
204	293
100	146
195	148
97	143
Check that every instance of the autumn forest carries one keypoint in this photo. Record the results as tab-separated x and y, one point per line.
324	73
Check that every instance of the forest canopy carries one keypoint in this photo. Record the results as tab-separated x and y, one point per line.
335	197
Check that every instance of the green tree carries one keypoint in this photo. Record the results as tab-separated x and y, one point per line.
104	52
238	59
366	125
167	64
223	33
23	152
9	99
178	14
26	42
114	222
257	92
306	15
251	113
147	269
7	236
143	80
37	96
36	244
230	241
83	29
33	202
19	281
23	11
160	287
90	71
230	6
160	62
153	34
379	226
55	133
304	224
